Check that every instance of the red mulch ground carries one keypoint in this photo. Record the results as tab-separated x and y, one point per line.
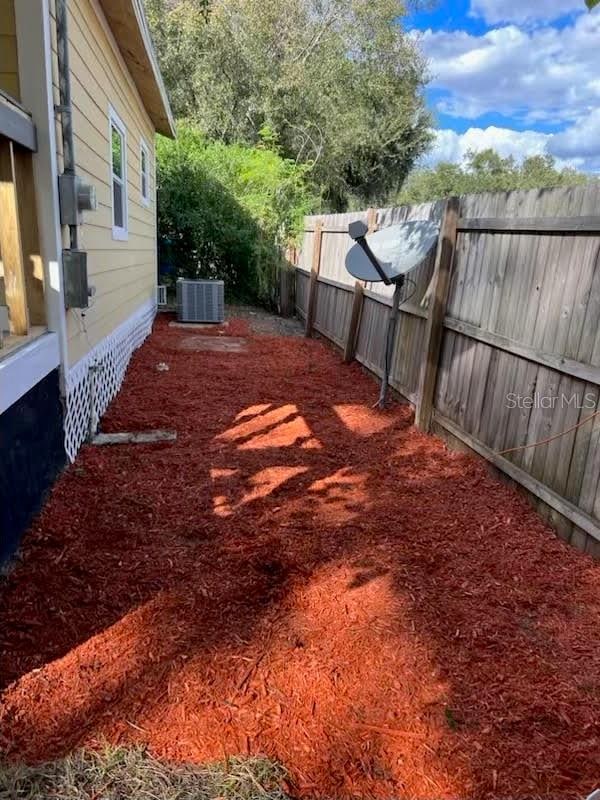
301	576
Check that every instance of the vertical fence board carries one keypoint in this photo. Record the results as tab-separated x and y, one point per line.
435	320
352	332
314	276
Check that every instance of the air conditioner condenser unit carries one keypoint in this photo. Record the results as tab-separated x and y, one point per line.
200	301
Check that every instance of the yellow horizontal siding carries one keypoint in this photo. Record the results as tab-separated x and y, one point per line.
88	106
123	273
94	58
9	61
99	237
97	325
105	284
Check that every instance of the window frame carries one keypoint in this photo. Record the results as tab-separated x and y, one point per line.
119	233
146	199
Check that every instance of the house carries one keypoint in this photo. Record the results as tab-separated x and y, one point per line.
81	99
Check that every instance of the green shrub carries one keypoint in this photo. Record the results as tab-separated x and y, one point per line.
226	211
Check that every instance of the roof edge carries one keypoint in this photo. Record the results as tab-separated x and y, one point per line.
149	45
127	21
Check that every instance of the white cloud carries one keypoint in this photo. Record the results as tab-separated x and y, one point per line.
544	74
533	75
523	11
452	146
578	146
580	142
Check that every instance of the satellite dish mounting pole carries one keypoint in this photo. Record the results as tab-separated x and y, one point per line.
388	256
391	339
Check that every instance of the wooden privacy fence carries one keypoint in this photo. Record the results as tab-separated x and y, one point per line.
504	351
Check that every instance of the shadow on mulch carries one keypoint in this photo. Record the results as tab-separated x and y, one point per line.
302	577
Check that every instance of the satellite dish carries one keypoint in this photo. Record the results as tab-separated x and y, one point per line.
387	256
397	249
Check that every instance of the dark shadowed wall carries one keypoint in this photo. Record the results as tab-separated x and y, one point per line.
32	454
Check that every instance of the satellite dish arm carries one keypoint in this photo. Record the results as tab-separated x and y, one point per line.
358	232
362	243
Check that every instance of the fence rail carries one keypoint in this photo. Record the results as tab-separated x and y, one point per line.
506	352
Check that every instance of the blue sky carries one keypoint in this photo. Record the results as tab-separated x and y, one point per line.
519	75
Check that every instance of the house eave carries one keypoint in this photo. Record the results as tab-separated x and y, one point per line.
127	22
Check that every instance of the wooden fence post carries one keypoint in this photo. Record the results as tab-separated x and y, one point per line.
357	302
314	277
352	335
437	311
287	282
372	219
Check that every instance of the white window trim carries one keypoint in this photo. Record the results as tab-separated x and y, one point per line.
145	199
120	234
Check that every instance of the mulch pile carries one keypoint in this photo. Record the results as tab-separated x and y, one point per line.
301	576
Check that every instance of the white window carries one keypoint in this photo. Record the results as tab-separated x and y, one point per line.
118	175
145	173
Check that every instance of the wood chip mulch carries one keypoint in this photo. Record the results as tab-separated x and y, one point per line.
306	578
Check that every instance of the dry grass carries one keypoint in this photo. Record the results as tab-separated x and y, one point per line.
132	774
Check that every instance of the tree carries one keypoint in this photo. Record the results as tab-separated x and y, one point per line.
226	211
337	82
485	171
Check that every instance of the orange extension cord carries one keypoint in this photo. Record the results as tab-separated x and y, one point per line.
552	438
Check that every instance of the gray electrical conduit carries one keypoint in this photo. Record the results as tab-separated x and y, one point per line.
66	109
66	123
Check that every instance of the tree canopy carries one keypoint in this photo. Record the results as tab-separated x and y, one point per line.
285	106
226	211
337	84
485	171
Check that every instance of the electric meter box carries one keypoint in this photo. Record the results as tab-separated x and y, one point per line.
75	276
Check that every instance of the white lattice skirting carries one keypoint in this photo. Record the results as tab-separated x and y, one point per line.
109	360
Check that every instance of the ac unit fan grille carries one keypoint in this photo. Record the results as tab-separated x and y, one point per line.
200	301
